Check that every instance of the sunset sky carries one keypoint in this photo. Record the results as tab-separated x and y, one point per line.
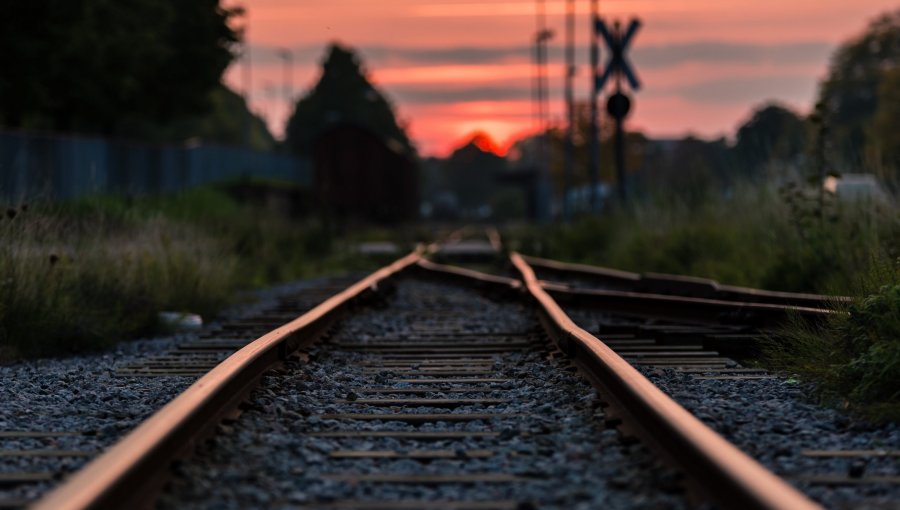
451	67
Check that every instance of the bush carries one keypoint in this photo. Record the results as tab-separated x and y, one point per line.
854	357
871	337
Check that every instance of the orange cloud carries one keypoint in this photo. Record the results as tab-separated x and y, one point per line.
452	74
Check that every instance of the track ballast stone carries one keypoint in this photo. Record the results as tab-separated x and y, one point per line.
83	395
774	421
556	444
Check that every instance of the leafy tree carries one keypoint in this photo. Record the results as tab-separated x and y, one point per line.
93	65
227	122
687	171
472	170
773	134
343	95
850	94
884	137
525	151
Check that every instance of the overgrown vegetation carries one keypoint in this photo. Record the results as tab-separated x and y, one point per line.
854	357
82	275
790	239
774	239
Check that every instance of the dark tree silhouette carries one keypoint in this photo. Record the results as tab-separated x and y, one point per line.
850	94
343	95
773	134
471	172
94	65
686	171
225	123
884	142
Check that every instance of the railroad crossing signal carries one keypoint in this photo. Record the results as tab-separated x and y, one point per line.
618	42
618	104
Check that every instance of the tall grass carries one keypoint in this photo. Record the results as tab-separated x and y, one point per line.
854	357
82	275
787	240
68	284
756	237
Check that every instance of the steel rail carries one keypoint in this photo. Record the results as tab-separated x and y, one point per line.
728	476
494	238
686	308
452	237
455	272
119	478
684	285
612	275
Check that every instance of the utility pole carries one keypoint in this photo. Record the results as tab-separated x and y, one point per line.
542	179
570	108
248	86
287	57
594	157
619	104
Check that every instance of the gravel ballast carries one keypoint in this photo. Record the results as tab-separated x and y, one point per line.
84	398
774	421
556	446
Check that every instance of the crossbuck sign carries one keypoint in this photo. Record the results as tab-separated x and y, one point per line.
618	42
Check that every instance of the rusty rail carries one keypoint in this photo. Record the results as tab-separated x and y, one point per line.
727	475
701	310
124	475
430	268
690	286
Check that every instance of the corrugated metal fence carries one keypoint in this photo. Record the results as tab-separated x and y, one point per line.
59	167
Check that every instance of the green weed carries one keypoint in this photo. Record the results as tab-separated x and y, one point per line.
754	238
81	275
781	240
853	357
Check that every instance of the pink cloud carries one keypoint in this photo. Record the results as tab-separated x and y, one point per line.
669	106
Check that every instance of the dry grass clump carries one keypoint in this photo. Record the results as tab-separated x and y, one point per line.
70	283
81	275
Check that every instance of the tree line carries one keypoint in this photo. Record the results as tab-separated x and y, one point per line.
854	127
142	69
151	70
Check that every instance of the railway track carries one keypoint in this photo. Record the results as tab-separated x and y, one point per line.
428	386
427	401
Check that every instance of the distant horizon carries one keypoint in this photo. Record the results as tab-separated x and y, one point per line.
705	66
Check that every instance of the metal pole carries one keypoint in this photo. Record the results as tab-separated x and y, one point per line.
570	107
290	83
594	160
620	140
538	99
287	58
543	179
543	90
538	158
248	85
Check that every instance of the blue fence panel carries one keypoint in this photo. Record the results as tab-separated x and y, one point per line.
61	167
